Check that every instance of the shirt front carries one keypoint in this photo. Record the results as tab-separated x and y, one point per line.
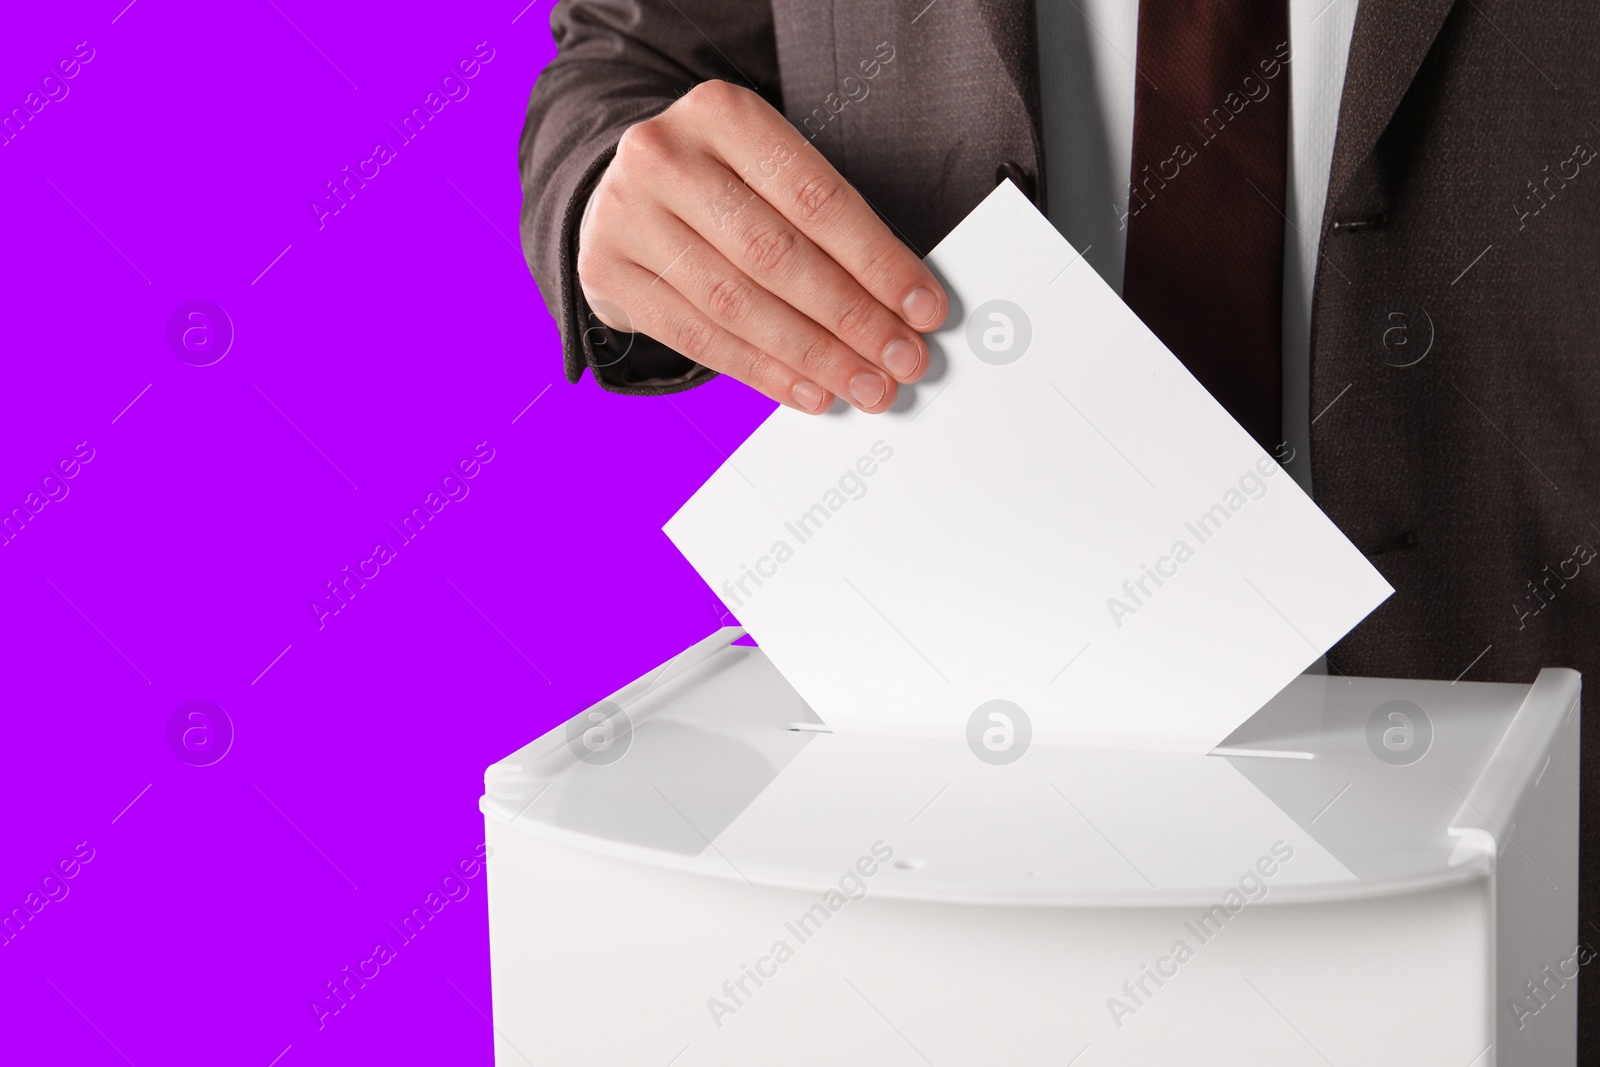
1087	55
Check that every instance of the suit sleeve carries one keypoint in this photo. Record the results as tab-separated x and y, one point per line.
619	62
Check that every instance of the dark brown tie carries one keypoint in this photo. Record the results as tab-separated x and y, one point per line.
1205	211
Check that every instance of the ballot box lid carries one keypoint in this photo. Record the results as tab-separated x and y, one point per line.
1338	788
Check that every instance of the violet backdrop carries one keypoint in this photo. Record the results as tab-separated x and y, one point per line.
372	351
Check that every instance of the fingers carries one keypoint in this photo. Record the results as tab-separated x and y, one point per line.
738	304
817	201
657	309
764	245
759	261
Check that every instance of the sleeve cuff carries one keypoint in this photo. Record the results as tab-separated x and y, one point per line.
629	363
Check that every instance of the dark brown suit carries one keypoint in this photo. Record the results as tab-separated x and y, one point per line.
1458	202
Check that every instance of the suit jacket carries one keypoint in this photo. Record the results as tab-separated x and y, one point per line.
1455	378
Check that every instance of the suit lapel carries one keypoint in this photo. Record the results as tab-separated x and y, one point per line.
1013	33
1390	41
1013	30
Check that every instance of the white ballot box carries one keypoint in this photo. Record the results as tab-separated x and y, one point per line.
1367	872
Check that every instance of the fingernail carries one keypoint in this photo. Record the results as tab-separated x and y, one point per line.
808	395
920	307
868	389
901	358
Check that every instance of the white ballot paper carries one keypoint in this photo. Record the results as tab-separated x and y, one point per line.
1059	517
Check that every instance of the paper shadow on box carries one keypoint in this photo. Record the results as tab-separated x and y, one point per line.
660	796
657	795
1347	798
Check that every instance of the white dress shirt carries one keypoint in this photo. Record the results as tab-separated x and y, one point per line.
1086	55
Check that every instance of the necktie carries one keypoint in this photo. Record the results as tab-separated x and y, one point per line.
1205	215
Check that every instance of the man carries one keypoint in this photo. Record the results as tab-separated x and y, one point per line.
1376	247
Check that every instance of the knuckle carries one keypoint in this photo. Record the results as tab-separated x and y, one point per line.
769	249
608	207
815	355
597	261
591	264
608	199
882	266
729	299
857	316
817	199
715	96
691	335
644	142
762	368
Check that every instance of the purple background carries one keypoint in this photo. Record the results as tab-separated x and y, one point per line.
374	352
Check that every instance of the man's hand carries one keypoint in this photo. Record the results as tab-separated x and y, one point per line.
719	231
